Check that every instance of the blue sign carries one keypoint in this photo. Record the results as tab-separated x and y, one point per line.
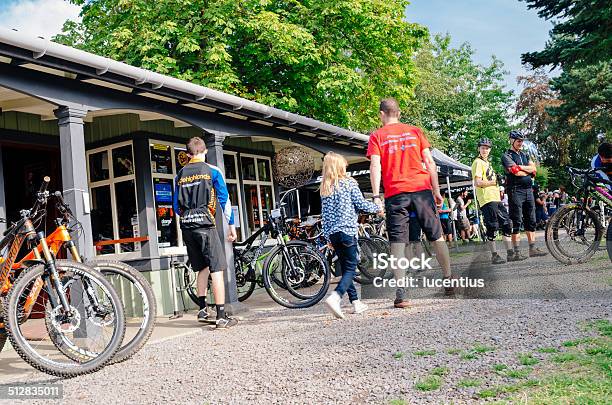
163	192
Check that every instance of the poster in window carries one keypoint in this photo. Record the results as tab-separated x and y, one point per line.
161	159
163	192
181	158
164	213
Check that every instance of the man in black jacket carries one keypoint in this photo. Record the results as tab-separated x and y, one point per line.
520	171
199	190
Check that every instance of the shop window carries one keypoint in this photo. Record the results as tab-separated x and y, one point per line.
102	218
258	189
248	168
123	161
230	166
114	214
98	166
161	158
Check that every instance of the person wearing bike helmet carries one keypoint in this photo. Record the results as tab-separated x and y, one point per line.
488	196
520	171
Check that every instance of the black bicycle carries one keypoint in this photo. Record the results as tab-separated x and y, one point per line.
574	232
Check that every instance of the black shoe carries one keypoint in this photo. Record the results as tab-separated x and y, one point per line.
204	317
497	259
226	322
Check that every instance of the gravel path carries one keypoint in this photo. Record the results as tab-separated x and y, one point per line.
303	356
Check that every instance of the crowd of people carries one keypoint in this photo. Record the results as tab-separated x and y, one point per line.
400	157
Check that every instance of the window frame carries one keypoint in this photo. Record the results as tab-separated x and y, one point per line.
110	182
258	183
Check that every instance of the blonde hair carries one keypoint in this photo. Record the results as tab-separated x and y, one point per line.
334	170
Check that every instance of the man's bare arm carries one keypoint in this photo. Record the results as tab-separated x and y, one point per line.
430	164
375	174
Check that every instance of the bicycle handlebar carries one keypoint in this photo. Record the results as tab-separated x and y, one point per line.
41	196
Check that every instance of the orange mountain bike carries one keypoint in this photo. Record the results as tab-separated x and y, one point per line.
44	297
140	307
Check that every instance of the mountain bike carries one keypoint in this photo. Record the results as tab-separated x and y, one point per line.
574	232
68	299
141	307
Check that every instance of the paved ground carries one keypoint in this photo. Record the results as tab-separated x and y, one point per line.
303	356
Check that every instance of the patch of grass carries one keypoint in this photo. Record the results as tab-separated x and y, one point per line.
440	371
488	393
453	351
582	375
499	367
604	327
564	357
430	383
519	372
576	342
527	360
469	382
398	402
468	356
398	355
548	350
479	348
425	353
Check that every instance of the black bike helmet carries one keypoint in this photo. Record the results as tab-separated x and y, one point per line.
516	134
485	142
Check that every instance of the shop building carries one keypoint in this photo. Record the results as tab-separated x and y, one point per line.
112	137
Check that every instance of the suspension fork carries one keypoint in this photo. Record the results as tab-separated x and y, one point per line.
52	282
74	252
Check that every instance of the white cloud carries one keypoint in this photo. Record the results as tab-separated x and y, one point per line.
38	17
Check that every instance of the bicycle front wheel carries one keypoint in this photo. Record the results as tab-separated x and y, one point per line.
94	325
304	283
573	234
3	336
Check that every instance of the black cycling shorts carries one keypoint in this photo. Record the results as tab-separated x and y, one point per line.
522	208
495	217
398	209
205	249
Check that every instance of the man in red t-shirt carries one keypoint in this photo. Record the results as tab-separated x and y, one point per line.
400	152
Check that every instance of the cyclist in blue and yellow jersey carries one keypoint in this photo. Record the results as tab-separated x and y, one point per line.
199	190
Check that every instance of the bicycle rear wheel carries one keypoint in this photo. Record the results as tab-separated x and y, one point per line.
366	269
573	234
139	304
609	240
94	327
300	289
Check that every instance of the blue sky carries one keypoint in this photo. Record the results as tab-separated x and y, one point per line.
504	28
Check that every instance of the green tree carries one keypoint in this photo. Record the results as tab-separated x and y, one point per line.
331	60
581	44
458	101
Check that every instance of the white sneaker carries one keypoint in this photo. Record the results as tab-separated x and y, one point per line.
359	307
333	304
